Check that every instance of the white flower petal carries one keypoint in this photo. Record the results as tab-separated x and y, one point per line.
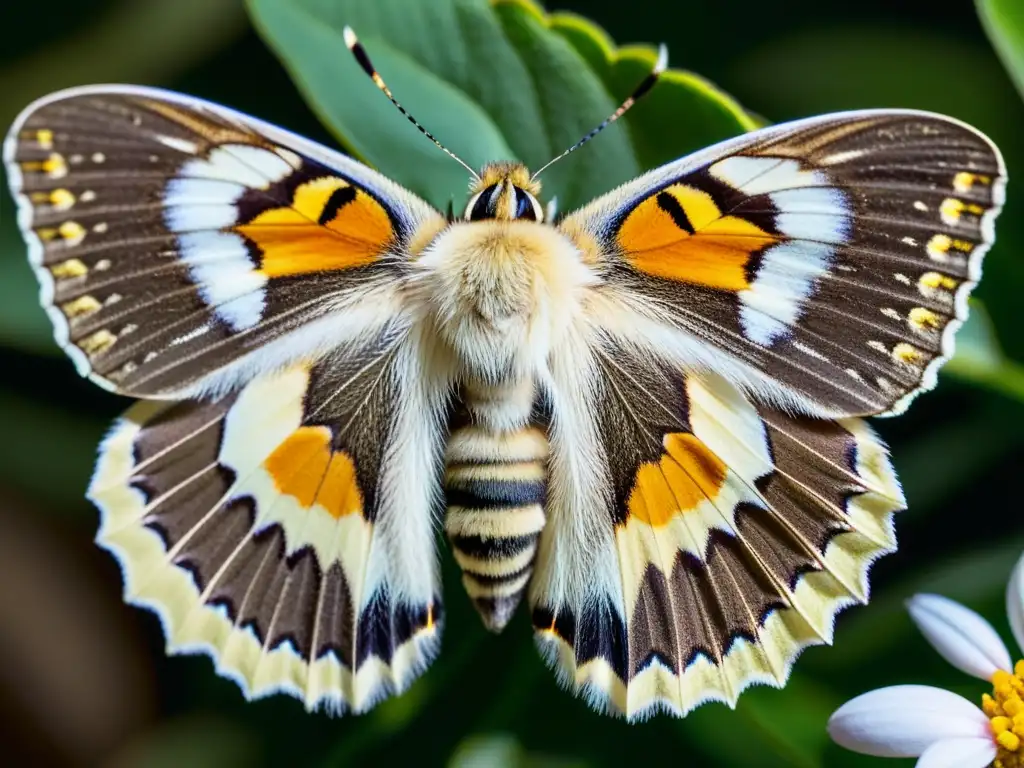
959	753
961	636
904	720
1015	602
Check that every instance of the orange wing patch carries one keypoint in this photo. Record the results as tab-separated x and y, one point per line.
330	225
687	474
305	466
681	234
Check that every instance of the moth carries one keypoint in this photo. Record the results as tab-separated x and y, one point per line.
643	418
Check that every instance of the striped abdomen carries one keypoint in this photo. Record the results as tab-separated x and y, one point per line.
495	484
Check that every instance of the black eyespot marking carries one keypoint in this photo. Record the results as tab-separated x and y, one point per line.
671	206
339	199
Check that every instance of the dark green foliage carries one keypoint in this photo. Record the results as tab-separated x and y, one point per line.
493	81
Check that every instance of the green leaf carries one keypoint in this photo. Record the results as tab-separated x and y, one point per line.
27	460
873	632
197	740
779	728
933	464
980	359
1003	20
129	42
508	82
23	322
499	750
134	42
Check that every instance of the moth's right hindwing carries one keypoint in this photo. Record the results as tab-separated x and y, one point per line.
287	530
696	542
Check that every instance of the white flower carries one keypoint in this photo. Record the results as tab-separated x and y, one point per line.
940	728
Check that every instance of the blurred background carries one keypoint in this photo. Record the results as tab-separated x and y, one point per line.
84	680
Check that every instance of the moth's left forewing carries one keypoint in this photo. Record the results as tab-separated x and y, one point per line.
182	246
829	259
696	542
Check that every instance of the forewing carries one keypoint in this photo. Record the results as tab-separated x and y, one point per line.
287	530
173	237
695	542
830	259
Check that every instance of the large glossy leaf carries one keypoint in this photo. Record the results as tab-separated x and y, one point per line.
1004	22
23	323
492	80
780	729
133	42
136	42
980	359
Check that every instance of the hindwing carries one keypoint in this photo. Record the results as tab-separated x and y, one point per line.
288	530
829	259
172	237
696	541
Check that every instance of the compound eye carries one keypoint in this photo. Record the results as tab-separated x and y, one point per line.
525	206
483	208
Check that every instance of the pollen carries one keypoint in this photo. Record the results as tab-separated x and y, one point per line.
1005	710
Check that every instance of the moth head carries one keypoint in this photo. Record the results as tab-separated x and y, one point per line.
505	192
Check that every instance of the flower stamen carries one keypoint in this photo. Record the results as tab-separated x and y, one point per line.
1005	710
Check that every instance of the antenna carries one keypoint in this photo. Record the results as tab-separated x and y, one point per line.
646	85
364	61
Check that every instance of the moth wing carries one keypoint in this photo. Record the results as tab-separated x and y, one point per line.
287	530
695	542
183	246
825	264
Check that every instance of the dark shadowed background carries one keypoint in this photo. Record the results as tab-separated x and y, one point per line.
83	679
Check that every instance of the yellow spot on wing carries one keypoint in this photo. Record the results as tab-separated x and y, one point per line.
937	280
687	474
68	269
305	467
62	199
924	319
963	181
97	342
952	208
907	353
54	166
72	232
715	255
83	305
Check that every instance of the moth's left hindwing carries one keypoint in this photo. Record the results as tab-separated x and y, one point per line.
824	264
287	530
696	541
173	238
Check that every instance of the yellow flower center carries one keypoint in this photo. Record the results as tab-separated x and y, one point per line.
1005	710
